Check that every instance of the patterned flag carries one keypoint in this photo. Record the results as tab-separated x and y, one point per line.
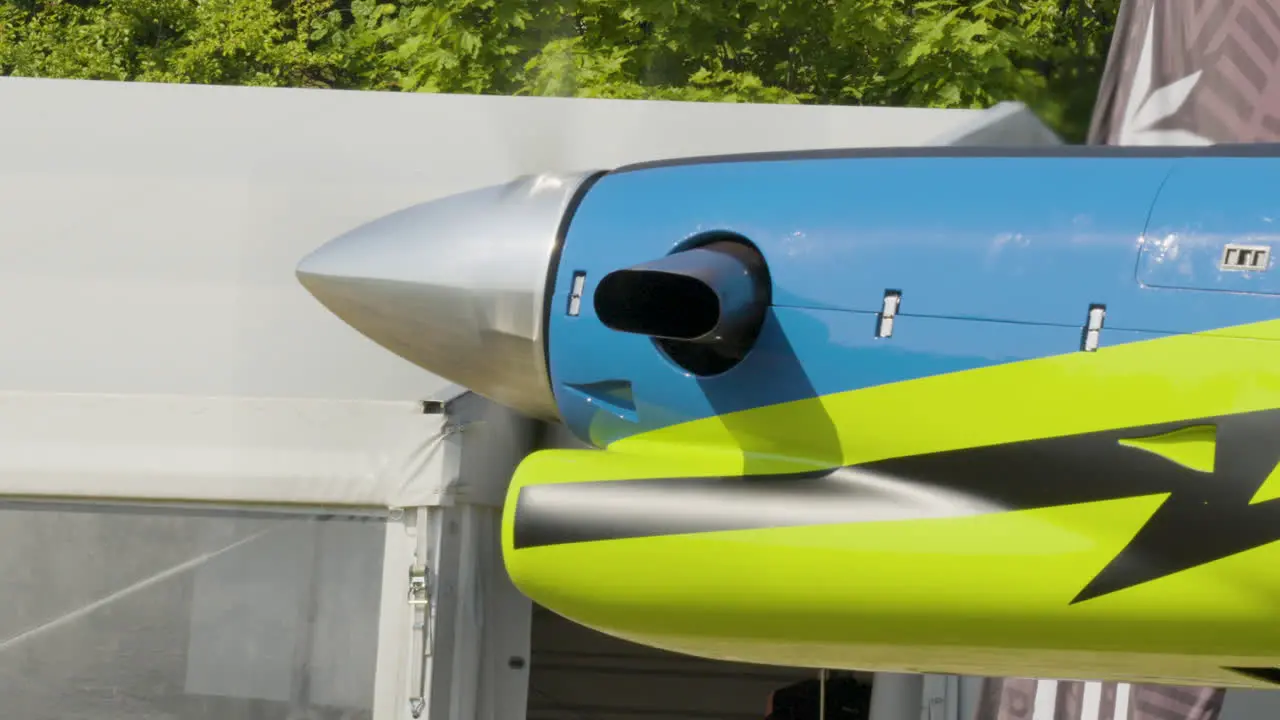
1021	699
1191	72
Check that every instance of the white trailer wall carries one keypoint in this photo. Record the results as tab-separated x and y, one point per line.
141	614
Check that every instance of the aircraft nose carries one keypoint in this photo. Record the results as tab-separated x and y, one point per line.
457	285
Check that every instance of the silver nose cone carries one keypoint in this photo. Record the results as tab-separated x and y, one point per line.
457	286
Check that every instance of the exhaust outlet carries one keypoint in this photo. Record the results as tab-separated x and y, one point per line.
705	302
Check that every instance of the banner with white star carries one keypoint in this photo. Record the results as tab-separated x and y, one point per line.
1025	699
1191	72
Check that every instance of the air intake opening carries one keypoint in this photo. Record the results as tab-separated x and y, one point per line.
703	306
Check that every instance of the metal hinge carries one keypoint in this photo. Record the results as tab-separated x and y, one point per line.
420	597
419	590
1093	328
575	293
888	311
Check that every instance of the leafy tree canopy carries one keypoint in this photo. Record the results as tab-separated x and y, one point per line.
935	53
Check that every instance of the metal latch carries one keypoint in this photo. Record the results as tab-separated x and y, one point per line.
419	592
1093	328
888	311
575	293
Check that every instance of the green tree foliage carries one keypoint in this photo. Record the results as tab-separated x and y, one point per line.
935	53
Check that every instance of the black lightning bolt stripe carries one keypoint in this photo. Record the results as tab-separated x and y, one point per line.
1206	517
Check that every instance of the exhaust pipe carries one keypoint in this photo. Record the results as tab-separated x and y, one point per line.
713	295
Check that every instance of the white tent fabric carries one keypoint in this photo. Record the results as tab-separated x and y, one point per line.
223	450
